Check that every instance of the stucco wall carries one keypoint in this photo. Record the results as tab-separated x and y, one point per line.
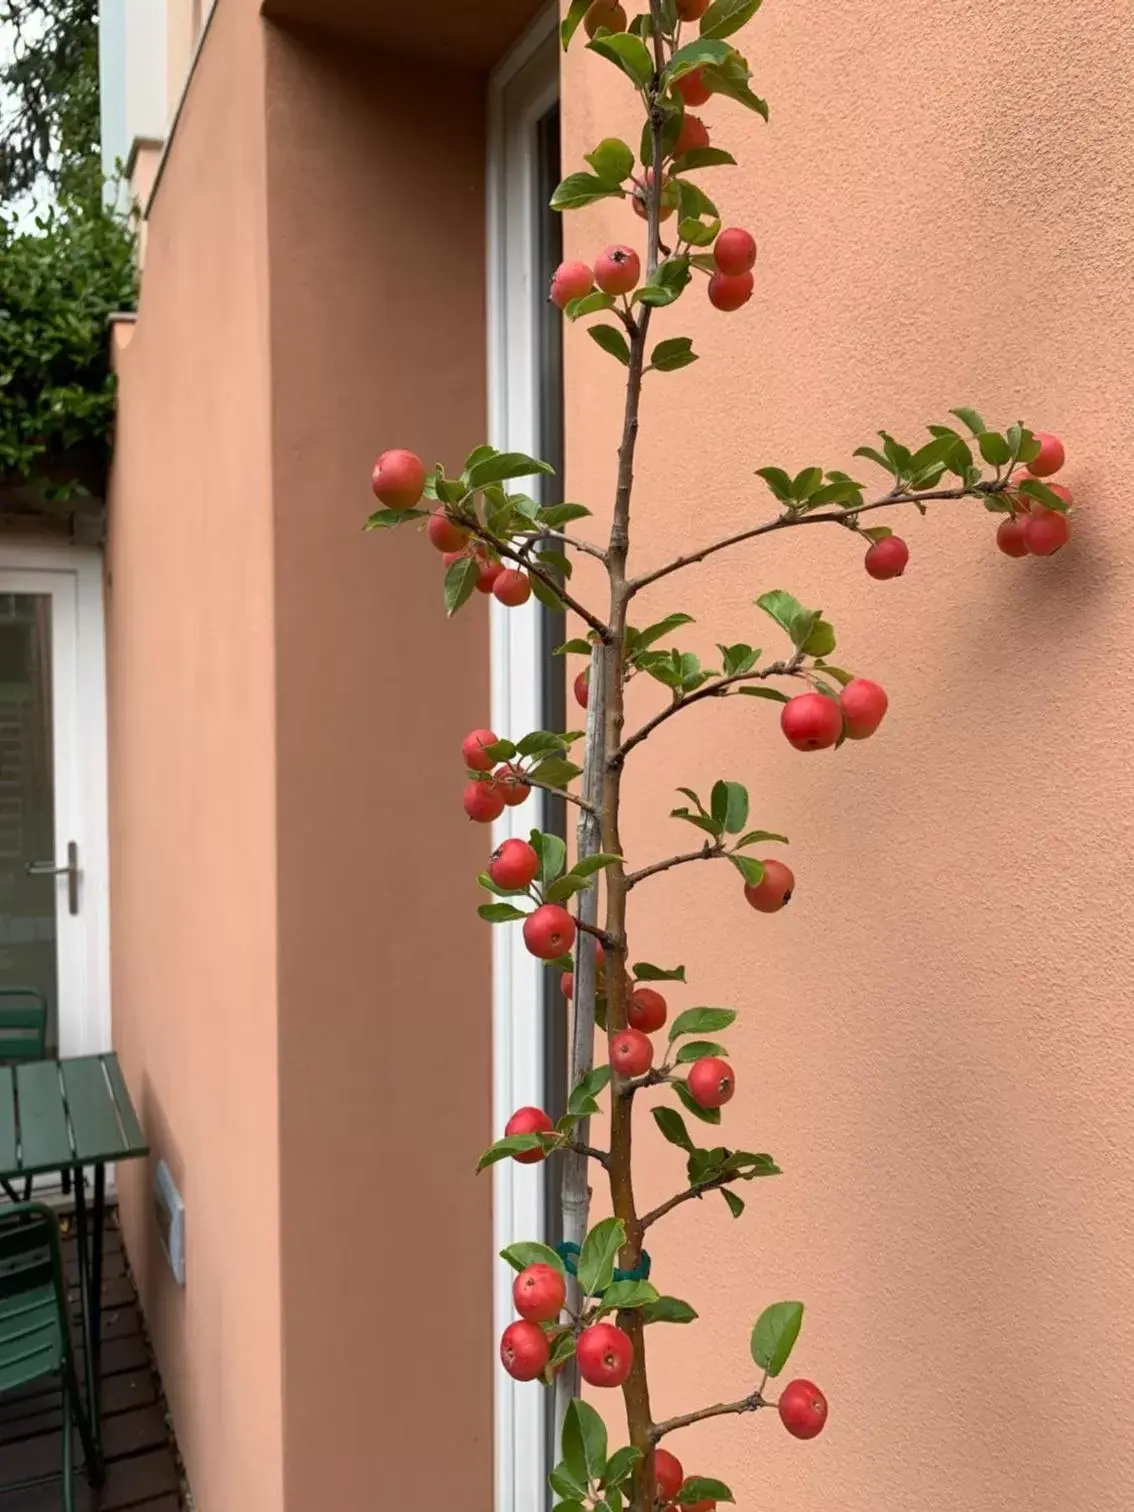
192	755
935	1038
375	220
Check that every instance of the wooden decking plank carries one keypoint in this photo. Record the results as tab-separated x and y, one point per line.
94	1117
45	1144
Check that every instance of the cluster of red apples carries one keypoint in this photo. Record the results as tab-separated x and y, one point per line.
398	481
1032	530
617	271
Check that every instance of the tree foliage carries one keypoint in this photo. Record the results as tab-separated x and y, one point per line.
49	116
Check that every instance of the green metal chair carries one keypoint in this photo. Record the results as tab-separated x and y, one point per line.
35	1340
23	1037
23	1024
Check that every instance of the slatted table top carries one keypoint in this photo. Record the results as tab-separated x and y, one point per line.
57	1115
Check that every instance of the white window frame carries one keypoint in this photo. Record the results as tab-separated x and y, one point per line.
74	577
521	90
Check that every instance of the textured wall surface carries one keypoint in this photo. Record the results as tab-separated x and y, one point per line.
192	771
935	1039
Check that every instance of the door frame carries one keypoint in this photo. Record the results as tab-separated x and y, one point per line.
523	87
87	981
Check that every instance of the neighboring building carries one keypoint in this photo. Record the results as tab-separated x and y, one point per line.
346	248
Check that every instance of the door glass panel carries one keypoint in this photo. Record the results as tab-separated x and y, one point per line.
27	801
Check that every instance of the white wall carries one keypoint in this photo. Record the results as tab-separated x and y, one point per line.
132	75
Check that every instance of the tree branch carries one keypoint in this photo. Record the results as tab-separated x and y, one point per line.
505	549
588	1152
708	852
546	787
750	1403
715	689
785	521
712	1185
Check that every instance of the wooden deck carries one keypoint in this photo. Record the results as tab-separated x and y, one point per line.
141	1466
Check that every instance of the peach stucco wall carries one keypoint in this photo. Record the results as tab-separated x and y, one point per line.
935	1040
192	707
385	1036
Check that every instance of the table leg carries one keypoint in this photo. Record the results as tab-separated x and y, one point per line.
87	1306
96	1287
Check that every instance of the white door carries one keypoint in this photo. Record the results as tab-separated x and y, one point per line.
53	842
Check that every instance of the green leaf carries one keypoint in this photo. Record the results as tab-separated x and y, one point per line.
511	1144
668	281
1035	489
500	913
806	482
668	1310
556	773
528	1252
724	17
547	595
706	1115
584	1442
821	641
705	51
575	647
620	1465
589	304
703	157
387	519
771	693
504	465
629	1294
842	491
598	1254
749	868
694	203
710	826
837	673
970	418
700	234
569	1506
694	1050
579	189
655	632
759	837
672	1126
570	23
731	79
646	971
563	1483
735	1203
567	887
556	515
701	1021
460	580
552	853
787	611
993	448
627	52
730	806
738	658
676	352
583	1094
774	1336
777	480
612	160
697	1488
611	340
591	864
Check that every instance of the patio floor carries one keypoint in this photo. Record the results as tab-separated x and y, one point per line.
141	1468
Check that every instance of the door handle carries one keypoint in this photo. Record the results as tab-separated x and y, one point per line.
70	871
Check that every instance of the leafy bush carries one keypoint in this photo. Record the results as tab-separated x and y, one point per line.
59	283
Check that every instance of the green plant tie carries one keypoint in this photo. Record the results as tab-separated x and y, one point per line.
568	1252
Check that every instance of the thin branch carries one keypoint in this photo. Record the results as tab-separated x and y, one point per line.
712	1185
502	548
708	852
750	1403
784	522
589	1151
546	787
573	542
716	689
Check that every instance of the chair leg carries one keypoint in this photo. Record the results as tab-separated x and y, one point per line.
68	1485
91	1455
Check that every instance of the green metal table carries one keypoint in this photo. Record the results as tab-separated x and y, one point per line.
60	1116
